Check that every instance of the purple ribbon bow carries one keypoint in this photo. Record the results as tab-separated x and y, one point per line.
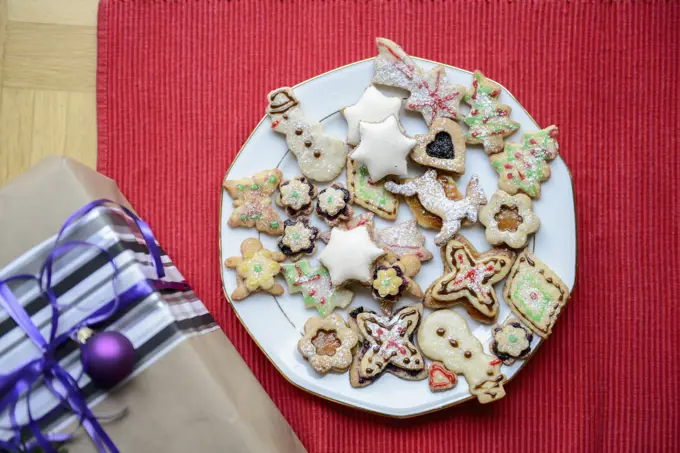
20	381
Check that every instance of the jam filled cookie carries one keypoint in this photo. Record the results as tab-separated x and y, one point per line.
535	293
320	156
386	345
509	219
442	148
446	337
488	121
327	344
468	279
253	203
334	204
299	238
297	196
316	287
511	341
255	270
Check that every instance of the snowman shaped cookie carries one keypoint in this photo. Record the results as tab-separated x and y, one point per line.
320	157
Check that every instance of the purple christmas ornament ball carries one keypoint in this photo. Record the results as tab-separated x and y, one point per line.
108	358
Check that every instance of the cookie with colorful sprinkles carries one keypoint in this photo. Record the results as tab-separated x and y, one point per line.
253	203
255	270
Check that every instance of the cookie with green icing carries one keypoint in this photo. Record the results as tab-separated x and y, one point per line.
316	287
535	293
253	203
522	167
369	194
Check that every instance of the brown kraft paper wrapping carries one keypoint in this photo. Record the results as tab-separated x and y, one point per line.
200	396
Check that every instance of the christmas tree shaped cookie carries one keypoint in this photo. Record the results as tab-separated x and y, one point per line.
316	287
489	121
522	167
369	194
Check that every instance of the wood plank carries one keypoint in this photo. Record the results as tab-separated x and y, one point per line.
16	132
49	124
65	12
50	57
81	128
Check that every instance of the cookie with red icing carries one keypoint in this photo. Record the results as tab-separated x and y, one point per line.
468	279
441	379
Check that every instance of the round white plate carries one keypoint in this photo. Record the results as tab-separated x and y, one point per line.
276	323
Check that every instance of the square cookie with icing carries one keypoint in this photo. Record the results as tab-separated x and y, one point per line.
535	293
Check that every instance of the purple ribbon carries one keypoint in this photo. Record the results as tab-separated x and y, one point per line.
20	381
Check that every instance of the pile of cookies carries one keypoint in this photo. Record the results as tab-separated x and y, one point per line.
386	261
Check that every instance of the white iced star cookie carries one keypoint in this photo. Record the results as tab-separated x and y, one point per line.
350	255
383	148
373	106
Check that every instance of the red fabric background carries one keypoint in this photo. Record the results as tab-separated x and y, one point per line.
182	83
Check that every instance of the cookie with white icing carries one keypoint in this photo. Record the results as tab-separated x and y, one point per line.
350	255
320	156
372	107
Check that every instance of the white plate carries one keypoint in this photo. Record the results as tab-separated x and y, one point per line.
276	323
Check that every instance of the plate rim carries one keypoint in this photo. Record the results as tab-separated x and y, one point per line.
338	401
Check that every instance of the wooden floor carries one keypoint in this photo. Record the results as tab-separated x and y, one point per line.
48	51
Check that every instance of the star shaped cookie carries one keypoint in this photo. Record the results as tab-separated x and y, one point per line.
383	148
373	106
350	255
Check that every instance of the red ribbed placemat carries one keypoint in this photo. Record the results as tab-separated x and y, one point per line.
182	83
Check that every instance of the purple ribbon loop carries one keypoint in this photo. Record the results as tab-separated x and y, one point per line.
19	382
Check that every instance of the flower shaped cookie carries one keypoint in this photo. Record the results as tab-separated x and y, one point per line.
296	196
511	341
299	238
255	269
393	279
388	282
333	205
327	344
509	219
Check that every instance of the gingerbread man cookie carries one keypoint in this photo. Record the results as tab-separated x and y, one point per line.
468	279
446	337
431	94
386	345
316	287
433	198
488	121
296	196
522	167
392	280
327	344
511	341
442	148
509	219
334	204
298	239
370	194
255	270
252	200
320	156
535	293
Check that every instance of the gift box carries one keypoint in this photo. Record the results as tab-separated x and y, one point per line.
189	390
